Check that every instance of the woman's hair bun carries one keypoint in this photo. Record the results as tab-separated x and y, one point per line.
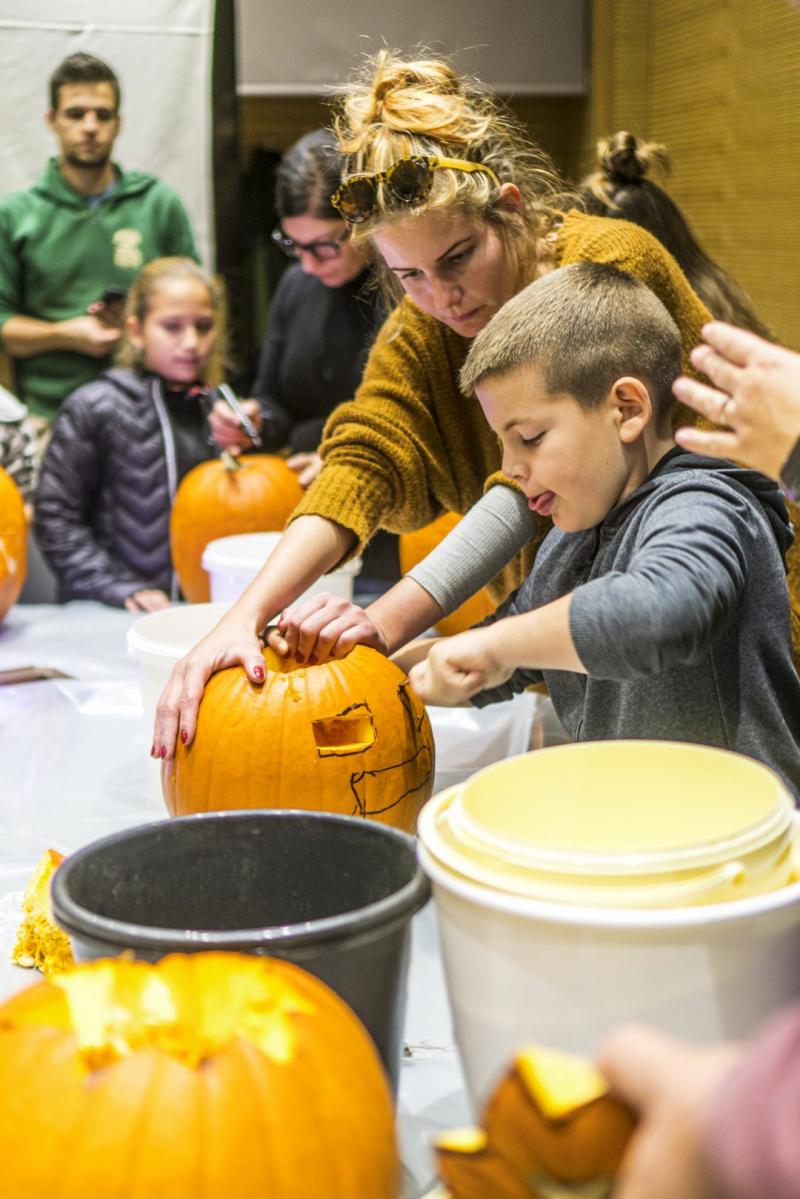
624	158
421	97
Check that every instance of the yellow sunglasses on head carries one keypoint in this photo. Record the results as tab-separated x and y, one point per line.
409	180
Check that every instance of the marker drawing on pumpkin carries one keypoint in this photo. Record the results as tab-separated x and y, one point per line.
364	782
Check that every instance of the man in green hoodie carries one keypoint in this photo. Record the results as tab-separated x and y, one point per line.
71	245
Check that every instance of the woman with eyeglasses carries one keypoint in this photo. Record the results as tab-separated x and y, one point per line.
323	316
461	212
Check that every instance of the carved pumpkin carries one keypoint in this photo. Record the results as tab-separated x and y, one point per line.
416	546
347	736
13	542
549	1124
227	495
206	1074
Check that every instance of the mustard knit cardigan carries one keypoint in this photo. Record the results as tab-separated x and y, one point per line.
410	446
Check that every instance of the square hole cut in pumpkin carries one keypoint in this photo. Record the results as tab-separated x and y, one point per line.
351	732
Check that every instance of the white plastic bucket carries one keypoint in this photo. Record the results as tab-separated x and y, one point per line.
157	641
532	950
233	562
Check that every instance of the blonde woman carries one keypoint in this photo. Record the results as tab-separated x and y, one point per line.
460	212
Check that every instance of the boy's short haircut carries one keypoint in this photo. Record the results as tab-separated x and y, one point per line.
583	327
82	68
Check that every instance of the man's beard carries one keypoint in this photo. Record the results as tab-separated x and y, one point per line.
90	161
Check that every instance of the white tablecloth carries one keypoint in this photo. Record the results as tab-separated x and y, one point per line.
73	767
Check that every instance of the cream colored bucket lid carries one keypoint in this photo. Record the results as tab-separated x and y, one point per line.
617	822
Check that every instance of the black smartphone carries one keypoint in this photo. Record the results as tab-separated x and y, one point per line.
114	295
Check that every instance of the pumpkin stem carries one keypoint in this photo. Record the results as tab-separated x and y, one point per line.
230	461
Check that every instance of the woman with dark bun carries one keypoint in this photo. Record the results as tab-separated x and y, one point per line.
460	211
619	187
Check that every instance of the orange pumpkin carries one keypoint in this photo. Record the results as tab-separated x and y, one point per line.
13	542
347	736
416	546
550	1124
206	1074
227	495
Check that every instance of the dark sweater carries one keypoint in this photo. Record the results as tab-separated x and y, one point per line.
680	614
317	343
120	446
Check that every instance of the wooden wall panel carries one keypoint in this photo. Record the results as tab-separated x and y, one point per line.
717	82
274	122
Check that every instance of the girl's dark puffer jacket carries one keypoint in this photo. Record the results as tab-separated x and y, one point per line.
120	446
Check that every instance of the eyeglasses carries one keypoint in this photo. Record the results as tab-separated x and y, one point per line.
321	250
409	181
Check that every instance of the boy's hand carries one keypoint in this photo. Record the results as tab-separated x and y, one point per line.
457	668
323	627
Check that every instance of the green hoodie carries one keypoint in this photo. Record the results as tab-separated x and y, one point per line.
58	254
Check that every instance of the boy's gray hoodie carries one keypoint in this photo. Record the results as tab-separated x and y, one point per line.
680	615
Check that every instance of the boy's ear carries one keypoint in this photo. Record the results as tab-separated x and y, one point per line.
632	406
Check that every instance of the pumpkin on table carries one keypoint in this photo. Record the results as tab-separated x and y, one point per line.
549	1126
224	496
13	542
214	1074
347	736
416	546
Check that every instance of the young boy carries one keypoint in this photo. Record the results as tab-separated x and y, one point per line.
657	606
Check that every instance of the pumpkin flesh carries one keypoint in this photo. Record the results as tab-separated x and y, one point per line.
549	1128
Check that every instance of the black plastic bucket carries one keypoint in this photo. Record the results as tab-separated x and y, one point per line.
334	894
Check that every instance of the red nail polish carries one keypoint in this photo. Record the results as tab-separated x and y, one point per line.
300	657
163	751
312	659
153	750
184	736
258	672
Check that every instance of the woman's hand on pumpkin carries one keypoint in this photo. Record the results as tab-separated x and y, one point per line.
225	428
755	396
456	668
149	599
322	627
306	466
671	1086
176	714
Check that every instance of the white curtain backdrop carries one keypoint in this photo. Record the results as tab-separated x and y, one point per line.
161	52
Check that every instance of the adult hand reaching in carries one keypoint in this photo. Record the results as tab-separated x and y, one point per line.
755	396
671	1085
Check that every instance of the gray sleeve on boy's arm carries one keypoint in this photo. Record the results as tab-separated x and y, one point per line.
483	542
682	587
